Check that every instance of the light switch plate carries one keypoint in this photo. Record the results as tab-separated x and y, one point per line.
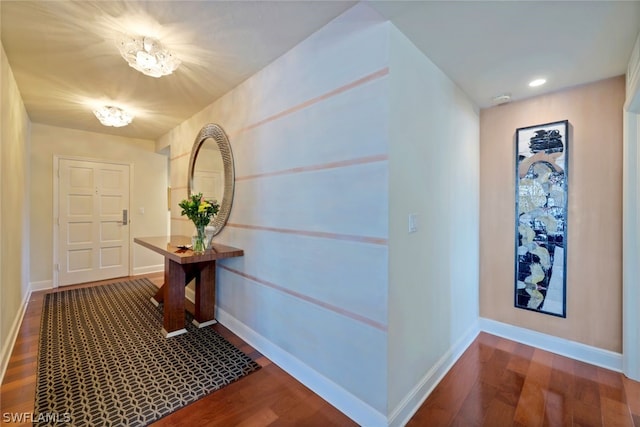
413	223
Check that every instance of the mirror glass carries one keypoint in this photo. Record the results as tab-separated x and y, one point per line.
208	171
211	172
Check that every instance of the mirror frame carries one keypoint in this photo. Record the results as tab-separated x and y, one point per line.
215	132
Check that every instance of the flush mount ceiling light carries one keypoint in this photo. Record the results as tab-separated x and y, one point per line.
537	82
147	55
113	116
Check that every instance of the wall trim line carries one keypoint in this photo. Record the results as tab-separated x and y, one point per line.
358	82
320	234
340	89
331	165
354	316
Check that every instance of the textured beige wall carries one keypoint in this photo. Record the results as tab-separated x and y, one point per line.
149	179
14	208
594	246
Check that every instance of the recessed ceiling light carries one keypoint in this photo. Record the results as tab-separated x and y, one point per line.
537	82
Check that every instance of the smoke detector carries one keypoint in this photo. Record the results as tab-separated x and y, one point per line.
501	99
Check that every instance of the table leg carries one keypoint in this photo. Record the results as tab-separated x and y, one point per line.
205	291
173	295
159	296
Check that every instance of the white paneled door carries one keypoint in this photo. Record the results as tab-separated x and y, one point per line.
93	220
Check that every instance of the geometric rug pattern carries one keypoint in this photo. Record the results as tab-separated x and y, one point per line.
102	359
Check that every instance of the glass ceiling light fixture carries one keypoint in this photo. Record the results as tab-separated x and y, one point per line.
113	116
147	55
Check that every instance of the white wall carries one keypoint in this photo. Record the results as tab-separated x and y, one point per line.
149	178
334	144
309	136
433	273
14	209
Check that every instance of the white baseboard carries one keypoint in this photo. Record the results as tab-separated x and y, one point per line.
340	398
190	294
572	349
148	269
7	348
403	412
344	401
41	285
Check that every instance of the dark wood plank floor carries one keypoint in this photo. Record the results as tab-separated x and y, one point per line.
495	383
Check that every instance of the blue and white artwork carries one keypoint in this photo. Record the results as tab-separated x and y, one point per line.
541	218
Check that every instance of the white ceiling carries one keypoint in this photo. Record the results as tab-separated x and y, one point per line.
494	47
64	58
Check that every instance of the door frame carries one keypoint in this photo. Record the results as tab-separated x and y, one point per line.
630	247
631	220
56	208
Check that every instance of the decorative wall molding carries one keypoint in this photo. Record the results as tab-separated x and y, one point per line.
318	167
401	415
358	82
336	309
319	234
564	347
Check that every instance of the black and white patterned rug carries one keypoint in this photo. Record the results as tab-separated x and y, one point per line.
102	359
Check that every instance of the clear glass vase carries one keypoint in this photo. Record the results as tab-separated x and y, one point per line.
199	240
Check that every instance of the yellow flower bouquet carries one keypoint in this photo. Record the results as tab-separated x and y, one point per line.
200	212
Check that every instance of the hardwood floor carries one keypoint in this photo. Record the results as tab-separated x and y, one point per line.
498	382
495	383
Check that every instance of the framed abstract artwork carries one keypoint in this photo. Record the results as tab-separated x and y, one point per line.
541	217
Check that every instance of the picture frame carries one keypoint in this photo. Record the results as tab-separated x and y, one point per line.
542	171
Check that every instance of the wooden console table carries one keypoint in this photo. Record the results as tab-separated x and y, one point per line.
181	266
